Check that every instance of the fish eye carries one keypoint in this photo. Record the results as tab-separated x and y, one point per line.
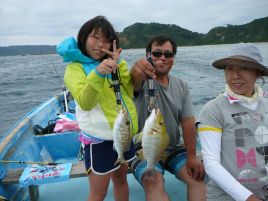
154	130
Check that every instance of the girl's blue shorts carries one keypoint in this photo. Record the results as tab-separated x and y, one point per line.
101	156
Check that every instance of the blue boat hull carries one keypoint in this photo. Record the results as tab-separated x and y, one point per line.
21	144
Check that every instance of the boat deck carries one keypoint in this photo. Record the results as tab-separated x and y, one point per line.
77	190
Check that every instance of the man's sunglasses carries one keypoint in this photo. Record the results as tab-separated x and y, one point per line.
166	54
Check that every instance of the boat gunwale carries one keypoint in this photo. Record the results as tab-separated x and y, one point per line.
11	133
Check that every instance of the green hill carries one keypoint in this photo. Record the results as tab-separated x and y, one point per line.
138	34
255	31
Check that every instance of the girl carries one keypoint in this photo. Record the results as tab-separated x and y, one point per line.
233	130
88	77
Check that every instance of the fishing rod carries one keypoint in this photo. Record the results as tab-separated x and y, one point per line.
116	86
63	89
151	90
29	162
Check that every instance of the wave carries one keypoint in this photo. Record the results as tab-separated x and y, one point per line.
202	101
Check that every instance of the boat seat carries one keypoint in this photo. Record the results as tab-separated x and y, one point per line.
13	177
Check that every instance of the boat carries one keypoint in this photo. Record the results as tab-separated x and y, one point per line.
32	142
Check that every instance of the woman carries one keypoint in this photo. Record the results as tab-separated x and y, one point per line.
233	130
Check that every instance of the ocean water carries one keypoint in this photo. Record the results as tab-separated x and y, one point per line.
26	81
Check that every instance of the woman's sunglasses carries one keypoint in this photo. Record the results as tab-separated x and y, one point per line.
166	54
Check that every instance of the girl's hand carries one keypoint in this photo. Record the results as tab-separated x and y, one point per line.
115	54
109	65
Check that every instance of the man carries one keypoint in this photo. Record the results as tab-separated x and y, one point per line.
174	100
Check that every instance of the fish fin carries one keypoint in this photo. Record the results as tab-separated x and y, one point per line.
120	161
137	138
114	148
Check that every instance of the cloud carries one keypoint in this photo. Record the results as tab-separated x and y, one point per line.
49	22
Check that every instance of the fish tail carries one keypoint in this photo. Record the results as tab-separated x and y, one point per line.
150	166
150	173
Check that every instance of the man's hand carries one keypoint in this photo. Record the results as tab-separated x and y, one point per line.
140	71
144	68
195	168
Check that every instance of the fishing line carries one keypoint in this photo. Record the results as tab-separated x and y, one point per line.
63	88
58	76
116	79
131	122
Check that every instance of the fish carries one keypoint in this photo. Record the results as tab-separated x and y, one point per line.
155	138
121	135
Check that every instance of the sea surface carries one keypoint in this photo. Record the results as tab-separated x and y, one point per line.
28	80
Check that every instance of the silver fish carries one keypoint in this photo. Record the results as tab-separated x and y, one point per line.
154	138
121	135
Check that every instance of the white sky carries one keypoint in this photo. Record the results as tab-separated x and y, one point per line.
48	22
